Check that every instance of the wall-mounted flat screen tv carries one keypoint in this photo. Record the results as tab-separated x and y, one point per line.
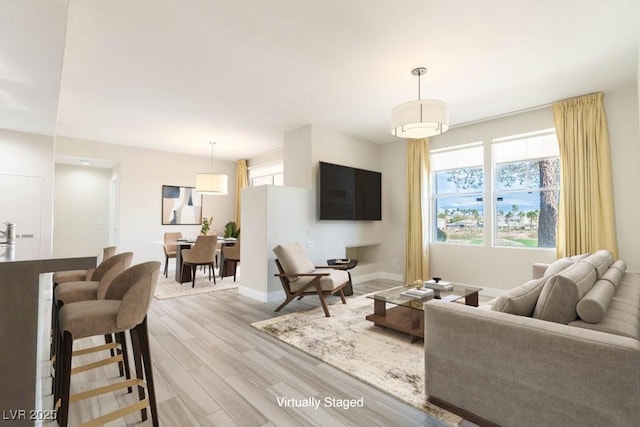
349	193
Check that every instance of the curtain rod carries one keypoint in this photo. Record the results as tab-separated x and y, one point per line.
500	116
524	110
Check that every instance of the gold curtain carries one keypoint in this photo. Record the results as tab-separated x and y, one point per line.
242	181
586	220
417	250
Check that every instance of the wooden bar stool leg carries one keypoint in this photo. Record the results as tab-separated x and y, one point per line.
143	336
122	340
64	374
137	360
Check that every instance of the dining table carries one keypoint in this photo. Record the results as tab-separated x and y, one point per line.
183	275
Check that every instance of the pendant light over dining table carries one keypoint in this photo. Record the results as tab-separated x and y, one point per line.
421	118
211	183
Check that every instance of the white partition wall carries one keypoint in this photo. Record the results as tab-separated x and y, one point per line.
271	215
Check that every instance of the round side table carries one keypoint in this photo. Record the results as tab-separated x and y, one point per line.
348	290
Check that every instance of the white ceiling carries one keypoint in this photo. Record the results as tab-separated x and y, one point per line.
173	75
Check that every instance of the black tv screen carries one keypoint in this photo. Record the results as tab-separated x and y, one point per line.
349	193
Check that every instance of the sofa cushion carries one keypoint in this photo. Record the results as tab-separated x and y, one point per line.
293	259
601	260
520	300
594	304
580	257
561	264
561	293
557	266
623	314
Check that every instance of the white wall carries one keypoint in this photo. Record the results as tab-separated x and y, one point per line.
621	107
141	174
31	156
268	220
273	156
81	210
297	158
394	209
303	149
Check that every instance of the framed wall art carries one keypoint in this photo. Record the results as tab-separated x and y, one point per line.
181	205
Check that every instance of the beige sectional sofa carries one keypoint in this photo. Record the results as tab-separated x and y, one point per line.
560	350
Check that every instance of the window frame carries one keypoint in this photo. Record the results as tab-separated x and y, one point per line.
496	193
434	197
273	170
489	193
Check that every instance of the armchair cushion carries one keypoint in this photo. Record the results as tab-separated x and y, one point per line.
334	279
293	259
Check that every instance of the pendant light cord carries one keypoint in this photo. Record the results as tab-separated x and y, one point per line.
212	143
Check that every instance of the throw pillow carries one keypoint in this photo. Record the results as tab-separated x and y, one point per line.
601	260
620	265
614	275
557	266
561	293
593	305
576	258
520	300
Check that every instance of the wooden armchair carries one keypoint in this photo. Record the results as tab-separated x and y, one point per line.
299	277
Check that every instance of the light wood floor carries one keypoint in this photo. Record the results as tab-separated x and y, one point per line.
211	368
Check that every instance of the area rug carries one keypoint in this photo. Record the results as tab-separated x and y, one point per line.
380	357
169	288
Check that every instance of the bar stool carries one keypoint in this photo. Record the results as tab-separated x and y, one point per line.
79	275
91	278
124	308
85	291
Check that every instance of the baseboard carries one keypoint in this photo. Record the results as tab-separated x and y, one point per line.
365	278
261	296
392	276
378	275
492	292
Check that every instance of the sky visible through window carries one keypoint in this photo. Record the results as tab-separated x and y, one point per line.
524	181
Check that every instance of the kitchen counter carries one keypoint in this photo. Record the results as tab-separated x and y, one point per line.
23	313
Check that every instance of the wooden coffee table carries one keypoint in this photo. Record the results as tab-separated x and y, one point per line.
407	314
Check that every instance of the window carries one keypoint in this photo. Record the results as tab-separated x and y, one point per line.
526	186
269	174
521	195
458	180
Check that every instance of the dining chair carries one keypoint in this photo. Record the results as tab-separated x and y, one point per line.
170	248
203	252
299	277
232	254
